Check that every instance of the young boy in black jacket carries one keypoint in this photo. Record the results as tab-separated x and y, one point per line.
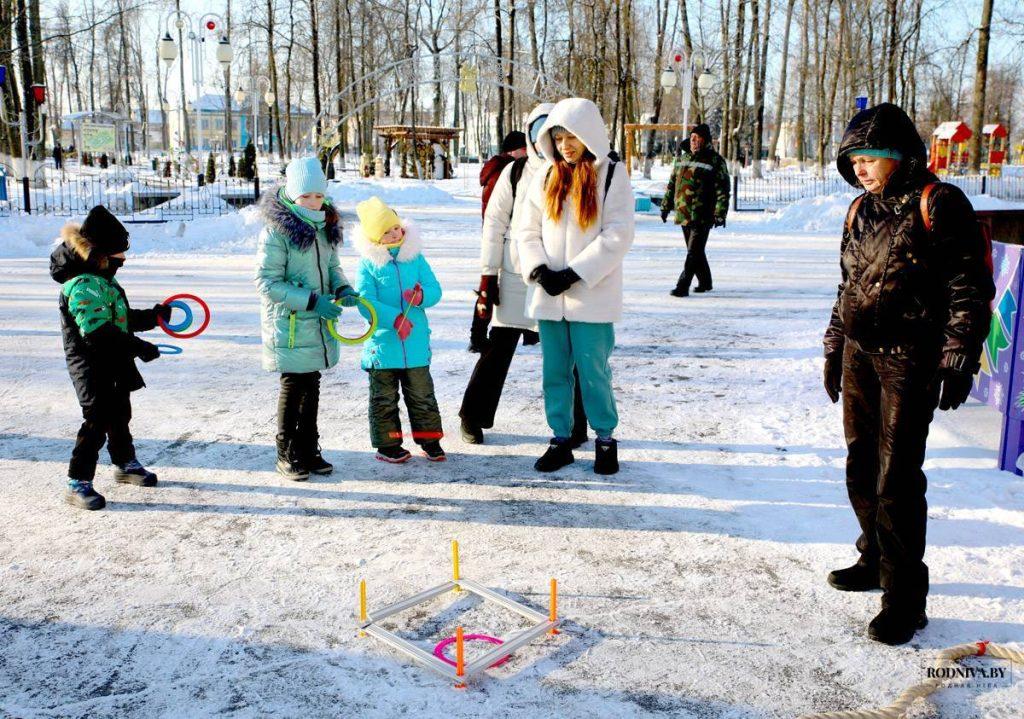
100	346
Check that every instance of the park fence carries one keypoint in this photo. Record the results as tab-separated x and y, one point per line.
775	192
133	198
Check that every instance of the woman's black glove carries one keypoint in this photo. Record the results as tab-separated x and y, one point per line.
554	283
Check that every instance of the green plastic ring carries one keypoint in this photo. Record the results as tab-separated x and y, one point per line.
365	336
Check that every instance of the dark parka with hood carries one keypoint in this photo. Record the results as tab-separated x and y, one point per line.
911	315
902	284
97	324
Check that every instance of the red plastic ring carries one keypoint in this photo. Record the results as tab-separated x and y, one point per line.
186	335
444	643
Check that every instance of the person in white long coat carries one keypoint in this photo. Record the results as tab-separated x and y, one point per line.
502	294
573	232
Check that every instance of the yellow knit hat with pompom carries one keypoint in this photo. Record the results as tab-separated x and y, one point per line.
376	218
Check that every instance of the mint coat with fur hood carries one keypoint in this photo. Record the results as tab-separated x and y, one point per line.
383	276
297	257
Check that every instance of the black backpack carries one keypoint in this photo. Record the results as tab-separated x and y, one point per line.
517	174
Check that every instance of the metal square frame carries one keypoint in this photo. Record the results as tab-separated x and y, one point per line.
543	624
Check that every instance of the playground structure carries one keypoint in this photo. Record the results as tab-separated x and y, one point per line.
649	127
430	147
995	141
948	153
459	674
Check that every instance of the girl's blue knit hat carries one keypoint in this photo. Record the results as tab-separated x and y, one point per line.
304	174
876	152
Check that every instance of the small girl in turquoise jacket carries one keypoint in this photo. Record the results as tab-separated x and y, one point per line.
300	282
396	278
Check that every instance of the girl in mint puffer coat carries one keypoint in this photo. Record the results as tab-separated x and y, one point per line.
299	280
397	279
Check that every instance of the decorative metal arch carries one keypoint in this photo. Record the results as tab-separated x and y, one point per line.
543	87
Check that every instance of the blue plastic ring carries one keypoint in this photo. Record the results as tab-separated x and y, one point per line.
185	323
169	349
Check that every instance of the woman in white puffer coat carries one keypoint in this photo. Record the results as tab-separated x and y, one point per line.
572	233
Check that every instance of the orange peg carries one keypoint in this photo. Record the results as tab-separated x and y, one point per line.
460	658
553	616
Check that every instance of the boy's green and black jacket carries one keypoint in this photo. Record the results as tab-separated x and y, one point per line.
97	323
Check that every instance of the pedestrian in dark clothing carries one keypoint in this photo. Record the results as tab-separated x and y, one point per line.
98	327
905	335
58	156
512	148
699	193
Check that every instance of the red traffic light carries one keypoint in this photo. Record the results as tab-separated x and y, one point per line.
211	25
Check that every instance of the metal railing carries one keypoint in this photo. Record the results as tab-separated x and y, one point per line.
774	192
132	198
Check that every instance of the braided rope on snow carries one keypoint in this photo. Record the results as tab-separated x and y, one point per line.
947	658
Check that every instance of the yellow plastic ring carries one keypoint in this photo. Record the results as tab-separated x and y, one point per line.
365	336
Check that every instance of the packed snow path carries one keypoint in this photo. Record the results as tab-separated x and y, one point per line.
692	583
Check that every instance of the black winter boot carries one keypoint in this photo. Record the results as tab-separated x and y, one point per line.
680	292
606	456
395	454
559	455
471	434
893	626
860	577
81	494
289	464
433	451
134	473
314	459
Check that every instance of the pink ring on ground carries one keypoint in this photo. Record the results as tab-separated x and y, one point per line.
444	643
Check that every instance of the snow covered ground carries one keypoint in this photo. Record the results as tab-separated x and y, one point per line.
692	583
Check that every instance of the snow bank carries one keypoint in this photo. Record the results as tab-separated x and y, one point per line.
827	213
395	192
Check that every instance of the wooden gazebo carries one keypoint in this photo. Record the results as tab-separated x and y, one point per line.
424	139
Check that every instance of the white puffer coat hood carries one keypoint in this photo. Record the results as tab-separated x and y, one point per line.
582	118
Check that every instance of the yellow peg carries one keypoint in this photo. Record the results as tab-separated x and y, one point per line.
362	605
455	564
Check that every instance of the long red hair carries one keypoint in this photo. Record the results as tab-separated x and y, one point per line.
577	182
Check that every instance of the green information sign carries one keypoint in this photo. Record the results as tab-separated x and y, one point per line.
98	138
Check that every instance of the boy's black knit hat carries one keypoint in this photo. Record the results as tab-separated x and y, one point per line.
104	232
514	140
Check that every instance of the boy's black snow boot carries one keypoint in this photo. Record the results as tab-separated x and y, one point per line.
861	577
893	626
433	452
289	464
606	456
134	473
395	454
81	494
559	455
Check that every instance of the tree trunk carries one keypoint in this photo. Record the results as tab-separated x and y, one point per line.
315	41
891	51
773	145
25	63
762	67
980	83
500	119
38	72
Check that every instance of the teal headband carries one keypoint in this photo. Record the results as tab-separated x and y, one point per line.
872	152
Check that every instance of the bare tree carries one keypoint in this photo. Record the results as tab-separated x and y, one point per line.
980	82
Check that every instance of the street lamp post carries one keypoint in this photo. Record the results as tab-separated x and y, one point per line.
208	24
